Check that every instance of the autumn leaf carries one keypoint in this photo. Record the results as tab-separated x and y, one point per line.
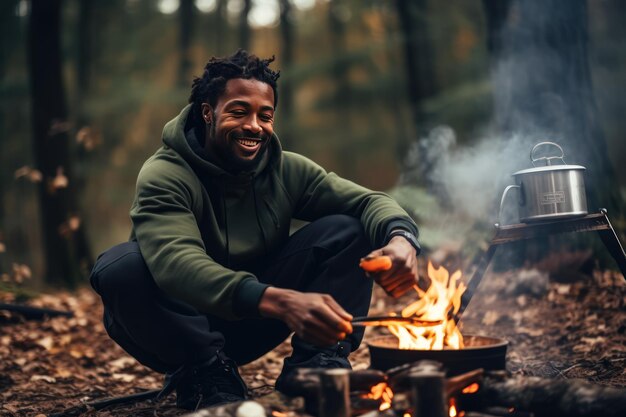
88	138
490	318
33	175
60	181
20	273
47	343
46	378
124	377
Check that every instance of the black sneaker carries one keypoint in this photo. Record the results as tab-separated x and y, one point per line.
214	382
321	360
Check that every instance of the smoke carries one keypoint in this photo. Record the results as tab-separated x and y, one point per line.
470	179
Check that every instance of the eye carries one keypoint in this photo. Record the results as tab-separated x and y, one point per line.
266	117
238	112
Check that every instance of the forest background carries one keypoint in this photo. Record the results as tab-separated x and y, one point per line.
436	102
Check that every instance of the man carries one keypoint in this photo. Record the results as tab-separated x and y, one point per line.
211	278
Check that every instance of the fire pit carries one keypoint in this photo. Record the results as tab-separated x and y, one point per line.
488	353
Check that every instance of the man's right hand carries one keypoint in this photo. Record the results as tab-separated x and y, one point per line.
316	318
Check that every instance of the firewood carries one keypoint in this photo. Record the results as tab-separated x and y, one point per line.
428	393
305	382
548	397
457	383
334	393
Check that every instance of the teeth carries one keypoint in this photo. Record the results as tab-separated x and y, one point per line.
248	142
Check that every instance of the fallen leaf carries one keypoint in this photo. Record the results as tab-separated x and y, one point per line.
121	363
63	373
60	180
124	377
46	378
490	318
47	343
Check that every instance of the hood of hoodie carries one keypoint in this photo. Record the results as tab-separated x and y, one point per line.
176	135
238	207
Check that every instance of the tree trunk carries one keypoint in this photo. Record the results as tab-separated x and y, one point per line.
543	88
418	58
51	143
244	27
342	100
83	60
221	45
185	34
286	88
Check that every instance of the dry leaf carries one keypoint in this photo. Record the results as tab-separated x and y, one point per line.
87	137
63	373
59	126
60	181
20	273
48	379
47	342
33	175
121	363
490	318
124	377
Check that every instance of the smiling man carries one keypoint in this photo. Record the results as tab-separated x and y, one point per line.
212	278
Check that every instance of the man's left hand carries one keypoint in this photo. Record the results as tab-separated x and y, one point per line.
402	275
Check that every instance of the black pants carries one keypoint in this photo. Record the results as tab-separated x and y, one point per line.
164	333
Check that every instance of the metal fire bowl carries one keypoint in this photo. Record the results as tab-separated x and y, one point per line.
488	353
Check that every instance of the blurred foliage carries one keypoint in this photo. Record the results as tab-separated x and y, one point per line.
358	127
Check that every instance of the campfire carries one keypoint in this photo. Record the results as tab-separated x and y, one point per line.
440	302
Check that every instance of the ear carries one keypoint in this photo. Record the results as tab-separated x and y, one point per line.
207	113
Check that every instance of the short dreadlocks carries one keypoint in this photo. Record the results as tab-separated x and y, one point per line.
218	71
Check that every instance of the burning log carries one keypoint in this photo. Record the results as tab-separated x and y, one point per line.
305	382
457	383
547	397
428	393
334	400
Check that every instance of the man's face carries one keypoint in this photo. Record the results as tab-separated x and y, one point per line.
241	124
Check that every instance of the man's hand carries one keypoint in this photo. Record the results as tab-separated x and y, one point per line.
402	275
316	318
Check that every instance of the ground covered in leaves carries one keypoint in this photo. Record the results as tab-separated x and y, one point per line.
555	330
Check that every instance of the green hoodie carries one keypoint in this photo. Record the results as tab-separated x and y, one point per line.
198	226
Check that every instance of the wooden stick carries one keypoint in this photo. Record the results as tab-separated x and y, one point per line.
457	383
334	399
428	393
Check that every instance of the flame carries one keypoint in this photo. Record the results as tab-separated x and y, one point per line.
470	389
442	297
383	392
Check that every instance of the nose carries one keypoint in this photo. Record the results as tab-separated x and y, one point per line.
252	125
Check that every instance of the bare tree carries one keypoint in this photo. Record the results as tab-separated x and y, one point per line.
244	27
286	93
51	143
184	41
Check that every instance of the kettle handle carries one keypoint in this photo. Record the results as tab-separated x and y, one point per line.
546	158
504	193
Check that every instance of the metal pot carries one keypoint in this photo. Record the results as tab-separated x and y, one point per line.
548	192
479	352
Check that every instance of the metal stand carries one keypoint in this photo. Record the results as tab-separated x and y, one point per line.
514	232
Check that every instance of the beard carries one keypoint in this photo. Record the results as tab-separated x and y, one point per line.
228	158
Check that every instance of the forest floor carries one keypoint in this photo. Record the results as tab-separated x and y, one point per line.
555	330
